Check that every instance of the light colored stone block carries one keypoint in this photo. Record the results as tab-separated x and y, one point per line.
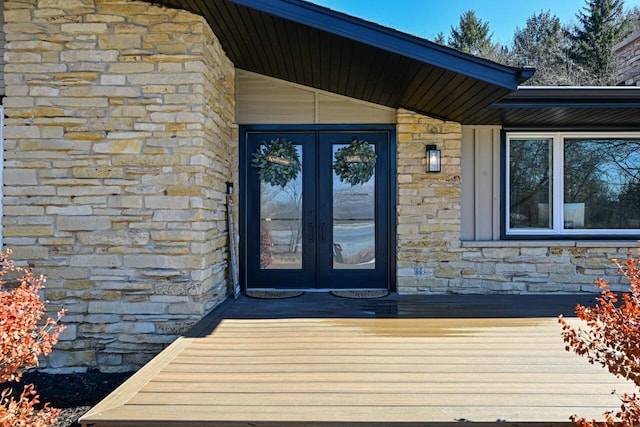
123	146
120	307
161	261
114	238
69	210
27	231
96	260
30	253
79	223
97	172
166	202
61	358
178	235
21	132
156	160
87	28
20	177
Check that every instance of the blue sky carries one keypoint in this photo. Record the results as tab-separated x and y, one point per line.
426	18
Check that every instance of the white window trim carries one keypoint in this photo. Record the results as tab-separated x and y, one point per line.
557	139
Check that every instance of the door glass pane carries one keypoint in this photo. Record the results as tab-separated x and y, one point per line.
530	183
281	223
601	183
354	242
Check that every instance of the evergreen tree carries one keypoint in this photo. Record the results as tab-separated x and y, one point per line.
472	36
542	43
440	39
633	20
578	55
602	24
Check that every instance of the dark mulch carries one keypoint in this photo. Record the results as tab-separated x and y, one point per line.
75	394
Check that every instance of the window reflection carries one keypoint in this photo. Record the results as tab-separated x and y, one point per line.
354	243
602	182
530	186
281	224
598	181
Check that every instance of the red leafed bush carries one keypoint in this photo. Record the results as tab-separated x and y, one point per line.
23	339
612	339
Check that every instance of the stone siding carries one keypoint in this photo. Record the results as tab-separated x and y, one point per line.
428	206
119	140
627	54
541	267
433	259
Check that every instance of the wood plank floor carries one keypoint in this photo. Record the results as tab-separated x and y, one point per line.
257	370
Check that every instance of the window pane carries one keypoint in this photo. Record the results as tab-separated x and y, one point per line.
281	223
530	183
354	223
602	183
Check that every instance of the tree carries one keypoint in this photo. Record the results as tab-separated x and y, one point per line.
562	55
440	39
633	20
542	43
612	339
22	341
602	24
472	36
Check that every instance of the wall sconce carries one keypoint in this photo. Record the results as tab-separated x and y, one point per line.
433	158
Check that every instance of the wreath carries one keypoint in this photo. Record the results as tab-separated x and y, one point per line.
277	162
355	163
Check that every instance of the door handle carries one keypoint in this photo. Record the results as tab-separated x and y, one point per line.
311	230
323	230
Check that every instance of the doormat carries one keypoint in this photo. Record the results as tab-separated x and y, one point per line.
273	294
361	294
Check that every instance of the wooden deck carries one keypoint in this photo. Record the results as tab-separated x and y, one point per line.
395	361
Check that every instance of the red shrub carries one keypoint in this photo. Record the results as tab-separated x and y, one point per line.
612	339
23	339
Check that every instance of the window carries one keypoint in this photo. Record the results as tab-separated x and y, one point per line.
573	184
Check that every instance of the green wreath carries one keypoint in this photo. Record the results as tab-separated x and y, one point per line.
277	162
355	164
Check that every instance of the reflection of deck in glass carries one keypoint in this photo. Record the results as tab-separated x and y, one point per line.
354	239
354	244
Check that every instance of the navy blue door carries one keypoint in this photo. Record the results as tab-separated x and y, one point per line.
318	231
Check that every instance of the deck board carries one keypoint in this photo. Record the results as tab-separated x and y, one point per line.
364	371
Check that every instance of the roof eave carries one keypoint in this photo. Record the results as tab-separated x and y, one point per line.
392	40
572	97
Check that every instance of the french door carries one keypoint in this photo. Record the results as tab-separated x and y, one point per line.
317	231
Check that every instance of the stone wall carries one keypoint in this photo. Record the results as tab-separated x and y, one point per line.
428	206
627	54
432	258
2	43
523	267
119	140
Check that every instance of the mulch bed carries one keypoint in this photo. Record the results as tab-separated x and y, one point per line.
75	394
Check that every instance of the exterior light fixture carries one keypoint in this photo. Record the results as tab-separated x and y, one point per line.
433	158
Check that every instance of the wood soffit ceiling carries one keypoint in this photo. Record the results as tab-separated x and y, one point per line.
314	46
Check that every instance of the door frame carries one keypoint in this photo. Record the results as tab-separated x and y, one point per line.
391	181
